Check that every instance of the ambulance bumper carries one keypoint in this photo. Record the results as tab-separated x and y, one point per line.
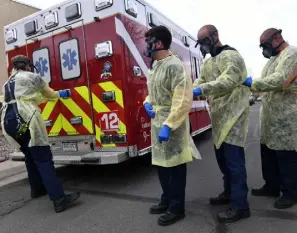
97	158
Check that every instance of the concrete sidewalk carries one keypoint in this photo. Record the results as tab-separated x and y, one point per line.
11	172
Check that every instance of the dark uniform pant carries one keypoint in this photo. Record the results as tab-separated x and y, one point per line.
173	182
39	164
231	160
279	169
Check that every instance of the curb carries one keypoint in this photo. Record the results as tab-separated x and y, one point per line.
18	176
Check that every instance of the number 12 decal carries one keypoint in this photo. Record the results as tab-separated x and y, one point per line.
109	121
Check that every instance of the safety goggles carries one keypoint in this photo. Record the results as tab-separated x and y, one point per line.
268	42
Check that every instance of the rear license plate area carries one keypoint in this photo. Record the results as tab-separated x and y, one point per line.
69	146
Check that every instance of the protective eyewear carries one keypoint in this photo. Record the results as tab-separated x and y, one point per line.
268	42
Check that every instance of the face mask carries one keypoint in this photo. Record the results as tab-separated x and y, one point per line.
205	49
207	45
269	52
150	47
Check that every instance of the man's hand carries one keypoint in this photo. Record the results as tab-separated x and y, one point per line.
196	93
164	134
149	110
248	82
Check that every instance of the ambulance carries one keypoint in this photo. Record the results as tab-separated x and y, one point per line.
95	48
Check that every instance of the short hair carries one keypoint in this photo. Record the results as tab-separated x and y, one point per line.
162	34
20	61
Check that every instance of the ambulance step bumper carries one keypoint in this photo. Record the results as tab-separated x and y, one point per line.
99	158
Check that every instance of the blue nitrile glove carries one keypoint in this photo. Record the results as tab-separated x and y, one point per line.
64	93
248	82
164	134
149	110
197	92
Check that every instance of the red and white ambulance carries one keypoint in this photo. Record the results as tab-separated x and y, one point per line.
95	48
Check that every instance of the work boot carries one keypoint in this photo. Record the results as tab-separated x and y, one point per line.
38	193
265	192
158	209
62	203
283	203
170	218
232	215
223	199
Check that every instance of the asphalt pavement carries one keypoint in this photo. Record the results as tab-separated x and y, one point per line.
116	198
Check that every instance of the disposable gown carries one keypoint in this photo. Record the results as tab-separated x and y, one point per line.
30	91
278	114
170	94
220	80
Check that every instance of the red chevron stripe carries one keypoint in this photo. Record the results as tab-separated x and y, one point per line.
68	115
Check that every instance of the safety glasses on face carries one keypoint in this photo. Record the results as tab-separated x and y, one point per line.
268	42
205	40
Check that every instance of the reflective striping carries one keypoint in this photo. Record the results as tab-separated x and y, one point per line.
98	105
84	93
76	111
56	127
47	110
62	110
67	126
110	86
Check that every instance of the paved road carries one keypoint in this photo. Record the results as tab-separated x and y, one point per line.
116	199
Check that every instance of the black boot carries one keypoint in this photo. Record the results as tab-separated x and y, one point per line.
265	192
62	203
158	209
232	215
38	193
170	218
283	203
223	199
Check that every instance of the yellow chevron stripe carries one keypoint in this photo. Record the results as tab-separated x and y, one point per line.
84	93
110	86
69	129
77	111
49	107
56	127
98	105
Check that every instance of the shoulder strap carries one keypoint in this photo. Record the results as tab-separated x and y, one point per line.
228	48
10	93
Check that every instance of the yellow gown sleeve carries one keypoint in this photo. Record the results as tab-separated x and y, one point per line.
284	73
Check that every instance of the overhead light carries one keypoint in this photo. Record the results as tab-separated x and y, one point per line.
11	36
31	28
73	12
102	4
51	20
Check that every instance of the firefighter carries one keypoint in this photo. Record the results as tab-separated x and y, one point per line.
168	103
24	128
278	116
221	78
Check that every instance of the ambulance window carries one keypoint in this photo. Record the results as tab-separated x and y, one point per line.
73	12
42	63
70	59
